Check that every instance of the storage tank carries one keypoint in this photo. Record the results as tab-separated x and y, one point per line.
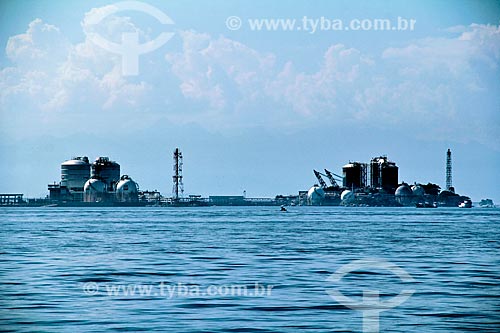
107	171
74	173
347	196
418	190
404	194
383	174
94	190
315	195
127	190
354	175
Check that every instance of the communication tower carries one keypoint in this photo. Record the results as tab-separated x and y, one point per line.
449	185
178	188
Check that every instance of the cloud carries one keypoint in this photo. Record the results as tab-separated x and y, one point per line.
41	45
234	78
56	84
451	82
329	93
220	71
442	87
431	86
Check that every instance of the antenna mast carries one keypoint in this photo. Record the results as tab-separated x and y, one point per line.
178	188
449	185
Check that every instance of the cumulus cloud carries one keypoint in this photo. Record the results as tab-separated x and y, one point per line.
436	86
331	92
442	87
452	82
220	70
53	82
41	45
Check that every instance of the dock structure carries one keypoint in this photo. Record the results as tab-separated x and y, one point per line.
11	199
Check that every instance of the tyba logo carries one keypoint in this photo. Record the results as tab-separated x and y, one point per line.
129	49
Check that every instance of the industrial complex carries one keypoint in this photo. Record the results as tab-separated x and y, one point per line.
373	183
96	183
376	184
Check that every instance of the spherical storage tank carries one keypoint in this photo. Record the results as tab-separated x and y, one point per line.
404	194
127	190
74	173
347	196
418	190
315	195
404	191
94	190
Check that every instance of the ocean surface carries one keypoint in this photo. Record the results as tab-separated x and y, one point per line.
248	269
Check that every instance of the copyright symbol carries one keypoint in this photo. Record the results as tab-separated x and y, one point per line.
233	23
90	288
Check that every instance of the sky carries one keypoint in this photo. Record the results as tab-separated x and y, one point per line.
251	110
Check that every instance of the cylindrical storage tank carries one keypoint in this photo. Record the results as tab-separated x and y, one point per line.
94	191
74	173
353	175
106	170
384	174
375	173
315	195
389	176
127	190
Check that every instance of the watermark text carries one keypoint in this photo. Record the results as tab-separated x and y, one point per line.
313	25
179	289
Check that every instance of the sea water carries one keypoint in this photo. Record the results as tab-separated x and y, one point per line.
248	269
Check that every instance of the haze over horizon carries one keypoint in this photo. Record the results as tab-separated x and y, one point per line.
252	110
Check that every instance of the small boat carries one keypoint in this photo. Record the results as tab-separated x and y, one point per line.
465	204
283	209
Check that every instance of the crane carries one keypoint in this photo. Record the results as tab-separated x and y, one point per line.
338	177
329	175
320	180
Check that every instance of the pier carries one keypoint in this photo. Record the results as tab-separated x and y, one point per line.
11	199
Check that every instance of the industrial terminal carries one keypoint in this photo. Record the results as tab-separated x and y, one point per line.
368	184
96	183
376	184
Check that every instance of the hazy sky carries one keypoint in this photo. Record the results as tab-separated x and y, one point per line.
251	110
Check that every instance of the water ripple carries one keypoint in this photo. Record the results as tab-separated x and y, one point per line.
48	256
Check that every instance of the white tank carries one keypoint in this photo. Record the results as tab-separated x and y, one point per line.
347	196
417	190
403	190
404	194
127	190
315	195
94	191
74	173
